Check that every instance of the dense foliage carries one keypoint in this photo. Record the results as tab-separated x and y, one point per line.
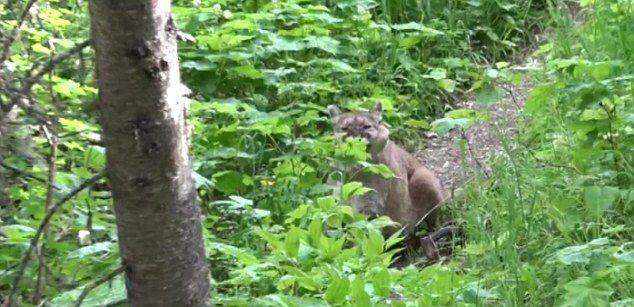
552	225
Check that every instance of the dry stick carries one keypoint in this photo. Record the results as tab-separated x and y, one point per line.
475	158
96	284
26	257
6	47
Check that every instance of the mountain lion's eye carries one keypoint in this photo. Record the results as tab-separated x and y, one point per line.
366	127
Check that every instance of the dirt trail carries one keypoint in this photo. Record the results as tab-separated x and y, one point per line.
442	154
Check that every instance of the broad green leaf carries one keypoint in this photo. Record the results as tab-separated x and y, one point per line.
381	282
230	182
352	189
105	294
324	43
378	169
291	241
538	97
69	88
249	71
359	295
581	253
337	290
587	291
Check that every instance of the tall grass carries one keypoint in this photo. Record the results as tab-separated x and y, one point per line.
554	224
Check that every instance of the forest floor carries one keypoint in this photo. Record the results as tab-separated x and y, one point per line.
443	155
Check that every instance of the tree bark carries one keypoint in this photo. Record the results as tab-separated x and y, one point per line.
143	114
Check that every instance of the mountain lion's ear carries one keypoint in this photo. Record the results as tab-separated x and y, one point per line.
333	110
377	111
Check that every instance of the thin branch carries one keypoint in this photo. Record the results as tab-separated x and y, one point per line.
6	47
473	155
96	284
21	173
37	72
41	276
21	97
27	256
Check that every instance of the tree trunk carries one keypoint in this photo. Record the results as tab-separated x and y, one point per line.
143	115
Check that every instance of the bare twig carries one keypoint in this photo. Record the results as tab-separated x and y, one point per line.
21	97
10	38
96	284
438	205
37	72
34	241
21	173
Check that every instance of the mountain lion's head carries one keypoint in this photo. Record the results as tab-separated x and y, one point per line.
364	125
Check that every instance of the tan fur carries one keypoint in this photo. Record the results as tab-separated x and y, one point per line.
407	198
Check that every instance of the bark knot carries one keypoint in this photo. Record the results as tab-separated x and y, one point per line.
170	26
140	52
140	182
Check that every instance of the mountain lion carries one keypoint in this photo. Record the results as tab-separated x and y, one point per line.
408	197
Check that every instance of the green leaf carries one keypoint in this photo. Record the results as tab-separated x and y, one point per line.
337	290
269	237
447	85
239	24
352	189
249	71
17	233
199	65
381	282
230	182
581	253
414	26
489	95
587	291
324	43
291	241
282	44
105	294
359	295
373	244
222	41
410	41
444	125
101	247
538	97
437	74
315	231
418	123
378	169
598	199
